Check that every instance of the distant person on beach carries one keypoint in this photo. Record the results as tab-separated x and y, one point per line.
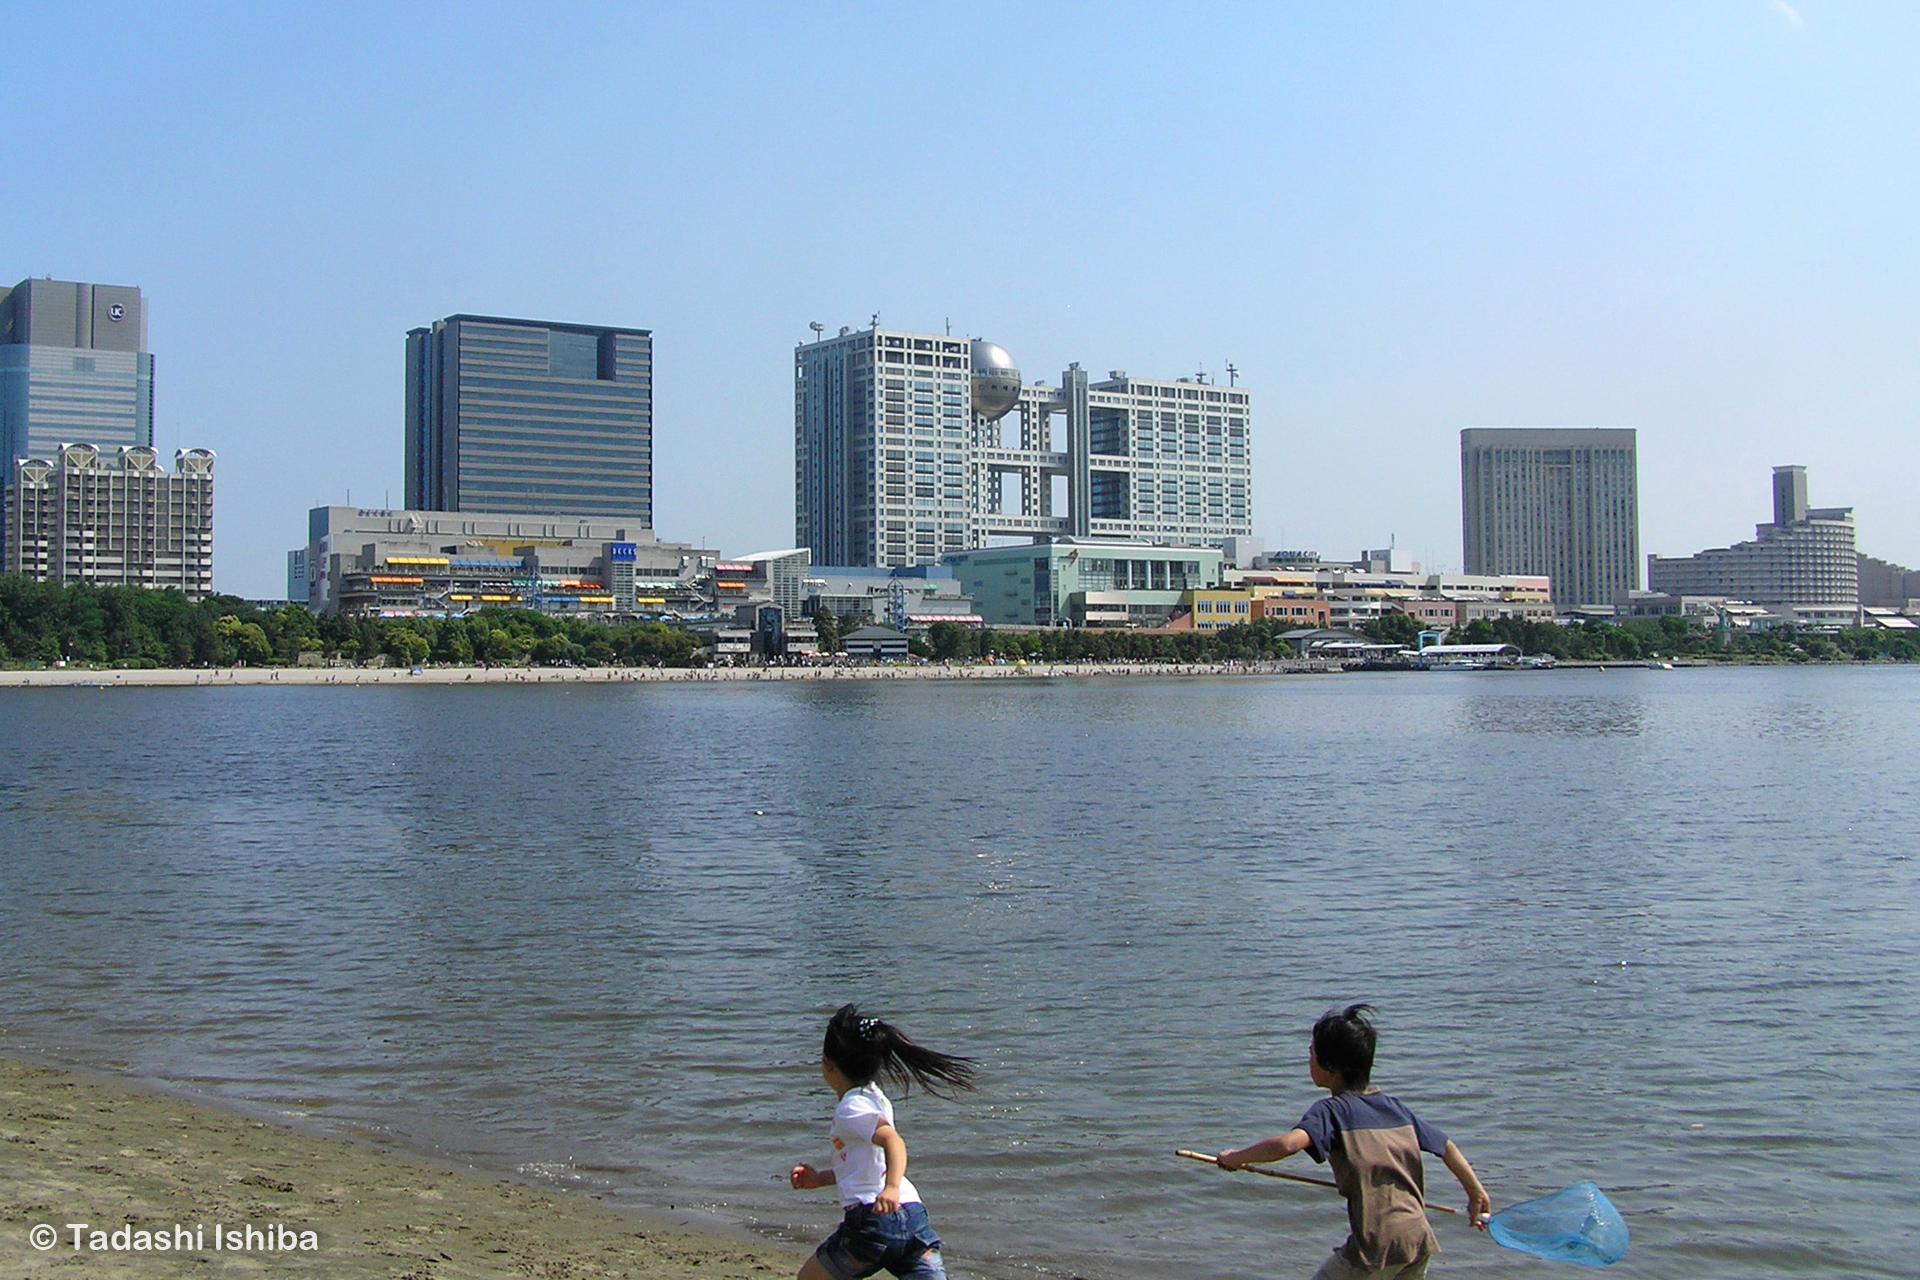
1374	1145
884	1225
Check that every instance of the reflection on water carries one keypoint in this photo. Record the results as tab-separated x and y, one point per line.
1591	716
1621	925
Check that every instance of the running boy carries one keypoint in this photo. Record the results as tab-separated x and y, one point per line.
1374	1145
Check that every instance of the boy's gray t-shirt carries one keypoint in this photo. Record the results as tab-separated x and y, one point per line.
1373	1144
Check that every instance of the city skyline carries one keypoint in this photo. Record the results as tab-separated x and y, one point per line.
1396	225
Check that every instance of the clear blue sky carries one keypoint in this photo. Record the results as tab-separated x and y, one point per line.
1398	220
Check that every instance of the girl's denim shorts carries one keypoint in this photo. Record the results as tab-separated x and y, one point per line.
867	1242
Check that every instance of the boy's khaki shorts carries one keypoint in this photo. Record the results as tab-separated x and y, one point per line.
1338	1268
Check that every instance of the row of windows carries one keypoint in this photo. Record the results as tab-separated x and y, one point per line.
115	497
498	473
490	331
556	436
926	344
558	445
518	494
104	515
540	365
1147	418
620	397
633	383
949	362
106	388
1180	391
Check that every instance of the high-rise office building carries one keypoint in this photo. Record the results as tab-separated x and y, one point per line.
527	416
74	366
1806	558
1558	501
911	446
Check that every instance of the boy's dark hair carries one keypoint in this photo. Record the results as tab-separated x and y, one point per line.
1343	1041
867	1048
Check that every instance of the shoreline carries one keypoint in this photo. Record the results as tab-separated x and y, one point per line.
115	1152
358	677
229	677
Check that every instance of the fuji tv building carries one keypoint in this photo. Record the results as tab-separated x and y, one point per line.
910	447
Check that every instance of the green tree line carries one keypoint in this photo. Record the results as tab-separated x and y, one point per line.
1642	639
1256	642
42	623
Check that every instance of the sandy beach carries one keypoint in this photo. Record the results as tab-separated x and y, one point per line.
82	1148
351	676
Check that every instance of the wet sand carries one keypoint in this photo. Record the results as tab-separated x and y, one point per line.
77	1147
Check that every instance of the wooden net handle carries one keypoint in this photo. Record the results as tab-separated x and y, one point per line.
1290	1177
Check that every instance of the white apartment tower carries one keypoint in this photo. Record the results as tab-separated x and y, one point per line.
910	446
112	519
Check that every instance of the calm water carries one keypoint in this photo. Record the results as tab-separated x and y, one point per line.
1657	929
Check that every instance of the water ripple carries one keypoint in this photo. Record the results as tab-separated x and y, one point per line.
1656	929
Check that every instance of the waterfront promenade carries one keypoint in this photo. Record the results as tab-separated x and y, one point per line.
392	676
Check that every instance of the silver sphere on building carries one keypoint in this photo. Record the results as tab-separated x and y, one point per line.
996	381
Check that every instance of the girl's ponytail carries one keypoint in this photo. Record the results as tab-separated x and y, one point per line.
866	1049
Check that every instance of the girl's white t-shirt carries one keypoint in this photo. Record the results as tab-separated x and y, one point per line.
859	1164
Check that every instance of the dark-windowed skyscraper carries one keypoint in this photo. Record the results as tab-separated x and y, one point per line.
74	367
532	417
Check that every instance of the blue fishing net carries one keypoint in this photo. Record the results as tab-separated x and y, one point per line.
1576	1225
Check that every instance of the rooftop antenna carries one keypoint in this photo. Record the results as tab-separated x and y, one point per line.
1201	376
876	319
949	326
817	328
1233	374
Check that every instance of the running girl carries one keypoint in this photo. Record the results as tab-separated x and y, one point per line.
884	1224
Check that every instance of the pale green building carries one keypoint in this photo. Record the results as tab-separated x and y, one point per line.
1082	583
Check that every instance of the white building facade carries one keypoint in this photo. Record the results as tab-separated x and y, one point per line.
1804	559
113	519
909	447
